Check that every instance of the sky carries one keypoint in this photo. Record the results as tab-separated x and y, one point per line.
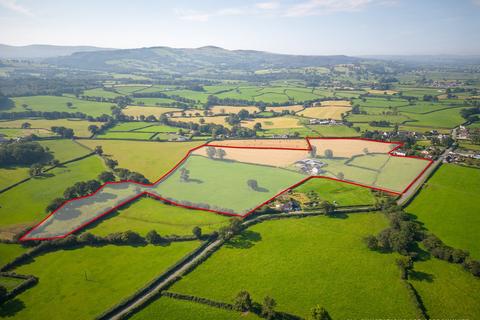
312	27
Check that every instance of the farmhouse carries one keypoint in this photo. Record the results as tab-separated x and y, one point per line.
310	166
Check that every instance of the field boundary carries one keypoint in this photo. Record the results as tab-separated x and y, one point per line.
168	173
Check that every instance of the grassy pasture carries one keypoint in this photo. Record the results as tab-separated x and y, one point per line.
447	118
152	159
213	119
8	252
153	101
125	135
446	289
130	126
302	131
64	150
378	102
158	128
100	92
11	175
207	186
448	206
80	127
171	309
333	131
137	111
147	214
113	273
128	89
54	103
13	133
267	259
343	193
26	203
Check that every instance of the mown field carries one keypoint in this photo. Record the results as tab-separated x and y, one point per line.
152	159
305	262
223	184
149	214
448	205
83	283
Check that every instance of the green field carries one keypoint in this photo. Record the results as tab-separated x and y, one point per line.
150	214
54	103
333	131
12	174
206	184
26	203
152	159
447	291
125	135
343	193
80	127
447	118
10	283
158	128
13	133
448	205
8	252
100	92
173	309
83	283
64	150
305	262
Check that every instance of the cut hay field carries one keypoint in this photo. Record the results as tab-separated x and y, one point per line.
26	203
55	103
137	111
327	112
223	184
264	143
152	159
273	123
150	214
343	194
336	103
448	205
173	309
446	290
80	127
294	108
317	260
83	283
381	92
233	109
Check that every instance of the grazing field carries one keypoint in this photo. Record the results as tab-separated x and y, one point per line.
130	126
447	290
343	194
55	103
83	283
12	174
150	214
213	119
161	128
448	205
8	252
327	112
316	260
128	88
298	132
64	150
153	101
125	135
332	131
206	185
447	118
26	203
152	159
273	123
80	127
173	309
12	133
100	92
137	111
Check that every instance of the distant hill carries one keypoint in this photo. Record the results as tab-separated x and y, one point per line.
186	61
41	51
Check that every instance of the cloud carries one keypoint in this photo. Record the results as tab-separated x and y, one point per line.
319	7
267	5
14	6
199	16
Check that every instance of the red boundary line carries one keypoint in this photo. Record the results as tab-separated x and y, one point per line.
391	153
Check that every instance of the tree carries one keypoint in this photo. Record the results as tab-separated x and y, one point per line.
106	176
197	232
184	175
327	207
3	293
220	153
55	204
35	170
405	264
268	307
340	175
372	242
313	152
111	163
257	126
69	104
253	184
211	152
98	150
319	313
26	125
243	301
153	237
328	153
93	128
